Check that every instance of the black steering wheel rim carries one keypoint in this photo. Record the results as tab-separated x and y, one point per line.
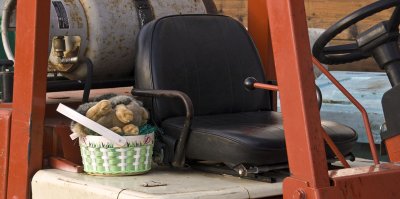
353	52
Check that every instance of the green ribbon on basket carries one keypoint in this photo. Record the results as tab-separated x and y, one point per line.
147	129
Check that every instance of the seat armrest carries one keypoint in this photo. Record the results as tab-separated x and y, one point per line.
179	158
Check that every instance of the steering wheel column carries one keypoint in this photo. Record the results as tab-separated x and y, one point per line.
388	58
382	42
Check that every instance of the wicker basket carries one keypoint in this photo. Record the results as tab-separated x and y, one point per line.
100	157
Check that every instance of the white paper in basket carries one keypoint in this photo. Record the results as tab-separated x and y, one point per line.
116	139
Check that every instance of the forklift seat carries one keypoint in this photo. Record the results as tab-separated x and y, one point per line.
208	57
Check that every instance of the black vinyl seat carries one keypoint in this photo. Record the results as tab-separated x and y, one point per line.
251	137
208	57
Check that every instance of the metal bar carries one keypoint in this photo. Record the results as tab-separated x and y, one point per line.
5	125
334	148
266	86
29	95
353	100
180	151
301	119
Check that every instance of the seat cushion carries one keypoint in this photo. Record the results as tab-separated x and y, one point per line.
255	138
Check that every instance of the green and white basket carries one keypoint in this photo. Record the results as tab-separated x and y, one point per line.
100	157
110	153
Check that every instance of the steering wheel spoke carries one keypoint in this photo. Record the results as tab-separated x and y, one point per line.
394	21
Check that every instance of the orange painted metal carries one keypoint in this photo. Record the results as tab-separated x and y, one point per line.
260	32
356	103
266	86
380	181
334	148
29	95
393	148
5	128
301	120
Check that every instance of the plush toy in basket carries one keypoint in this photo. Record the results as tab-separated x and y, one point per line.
124	118
119	113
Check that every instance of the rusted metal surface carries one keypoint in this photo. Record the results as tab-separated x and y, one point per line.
301	120
364	114
29	95
5	127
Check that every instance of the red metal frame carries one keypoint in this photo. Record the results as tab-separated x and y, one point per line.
309	175
301	120
304	140
33	19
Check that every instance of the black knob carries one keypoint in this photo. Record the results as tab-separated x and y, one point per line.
249	83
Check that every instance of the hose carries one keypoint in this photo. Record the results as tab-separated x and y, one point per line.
8	7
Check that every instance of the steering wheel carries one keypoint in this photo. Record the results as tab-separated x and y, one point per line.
366	42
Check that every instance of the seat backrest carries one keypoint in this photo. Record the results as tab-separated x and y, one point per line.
205	56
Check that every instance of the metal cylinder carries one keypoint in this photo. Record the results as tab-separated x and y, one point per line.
105	31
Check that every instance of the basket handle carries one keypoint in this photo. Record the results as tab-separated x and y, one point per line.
114	138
